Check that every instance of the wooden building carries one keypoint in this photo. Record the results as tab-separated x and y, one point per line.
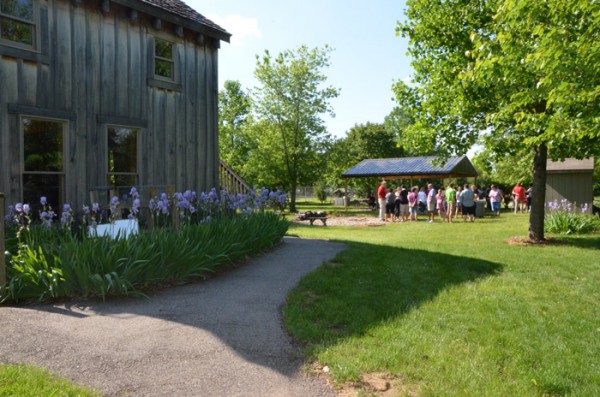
572	180
99	95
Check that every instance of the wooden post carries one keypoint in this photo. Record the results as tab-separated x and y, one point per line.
175	219
346	194
2	256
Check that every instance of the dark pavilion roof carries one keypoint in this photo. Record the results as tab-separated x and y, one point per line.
422	167
180	13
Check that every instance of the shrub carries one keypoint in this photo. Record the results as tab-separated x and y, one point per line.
321	192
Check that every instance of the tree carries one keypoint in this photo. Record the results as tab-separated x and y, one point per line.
597	178
235	140
518	73
365	141
291	98
504	169
396	123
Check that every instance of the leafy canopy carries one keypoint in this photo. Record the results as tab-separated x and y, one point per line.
521	73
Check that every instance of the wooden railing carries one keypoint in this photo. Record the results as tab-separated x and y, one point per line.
230	181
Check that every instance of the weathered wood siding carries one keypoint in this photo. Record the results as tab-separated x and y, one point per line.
98	72
576	187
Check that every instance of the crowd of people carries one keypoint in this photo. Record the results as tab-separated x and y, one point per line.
449	203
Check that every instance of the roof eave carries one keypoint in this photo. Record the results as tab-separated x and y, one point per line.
198	27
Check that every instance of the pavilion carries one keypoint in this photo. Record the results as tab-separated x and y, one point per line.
427	167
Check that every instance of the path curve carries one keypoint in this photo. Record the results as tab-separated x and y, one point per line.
222	337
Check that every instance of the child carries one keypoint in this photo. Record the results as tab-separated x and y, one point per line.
412	203
441	203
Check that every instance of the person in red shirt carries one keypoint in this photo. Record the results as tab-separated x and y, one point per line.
381	192
518	194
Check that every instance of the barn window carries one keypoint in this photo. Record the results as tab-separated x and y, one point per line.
43	161
122	157
18	25
164	60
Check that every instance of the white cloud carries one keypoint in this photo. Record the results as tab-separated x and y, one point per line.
239	26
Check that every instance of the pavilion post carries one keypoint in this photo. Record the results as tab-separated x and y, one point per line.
346	194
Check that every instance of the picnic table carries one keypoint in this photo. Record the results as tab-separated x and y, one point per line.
312	216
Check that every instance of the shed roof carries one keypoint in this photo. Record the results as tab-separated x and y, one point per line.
180	13
423	167
570	165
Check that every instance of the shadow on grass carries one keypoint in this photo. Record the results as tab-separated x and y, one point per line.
370	284
587	242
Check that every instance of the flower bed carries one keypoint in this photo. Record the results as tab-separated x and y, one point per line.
564	218
51	259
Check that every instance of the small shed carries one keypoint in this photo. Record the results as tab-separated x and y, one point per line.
426	167
572	180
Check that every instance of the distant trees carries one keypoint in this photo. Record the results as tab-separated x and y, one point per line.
277	137
291	98
363	141
236	140
505	169
274	135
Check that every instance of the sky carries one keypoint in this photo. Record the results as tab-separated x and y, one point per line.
367	55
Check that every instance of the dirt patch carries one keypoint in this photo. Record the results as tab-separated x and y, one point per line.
520	240
358	221
376	384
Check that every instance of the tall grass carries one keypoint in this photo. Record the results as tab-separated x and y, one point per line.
454	310
53	265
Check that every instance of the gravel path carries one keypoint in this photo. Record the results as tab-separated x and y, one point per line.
222	337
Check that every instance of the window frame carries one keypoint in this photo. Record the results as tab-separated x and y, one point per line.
172	60
35	22
157	81
61	174
108	173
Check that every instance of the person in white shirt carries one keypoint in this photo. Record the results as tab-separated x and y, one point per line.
431	202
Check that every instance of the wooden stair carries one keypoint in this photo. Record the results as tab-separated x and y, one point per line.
230	181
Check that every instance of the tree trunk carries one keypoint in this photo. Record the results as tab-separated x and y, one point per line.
538	203
293	198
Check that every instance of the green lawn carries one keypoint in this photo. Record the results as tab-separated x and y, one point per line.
454	310
445	310
26	381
